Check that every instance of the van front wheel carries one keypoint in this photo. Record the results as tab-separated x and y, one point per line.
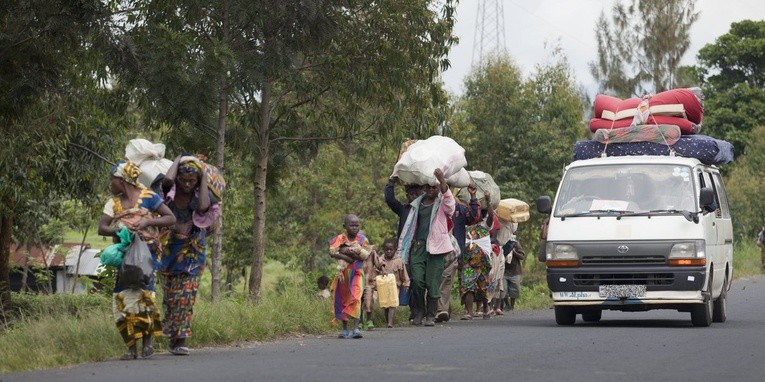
565	315
720	310
701	314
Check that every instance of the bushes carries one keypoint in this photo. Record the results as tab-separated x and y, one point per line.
30	306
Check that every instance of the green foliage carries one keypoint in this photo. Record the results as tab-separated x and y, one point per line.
731	70
744	186
316	196
639	50
736	57
520	130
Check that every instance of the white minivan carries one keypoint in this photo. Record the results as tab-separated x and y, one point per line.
635	233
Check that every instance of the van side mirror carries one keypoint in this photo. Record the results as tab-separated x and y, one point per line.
544	204
706	197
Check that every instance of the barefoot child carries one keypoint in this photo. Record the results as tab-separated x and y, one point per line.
392	264
350	248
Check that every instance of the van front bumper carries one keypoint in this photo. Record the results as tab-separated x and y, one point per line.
655	279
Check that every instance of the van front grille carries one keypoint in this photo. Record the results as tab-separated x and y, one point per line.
590	279
623	260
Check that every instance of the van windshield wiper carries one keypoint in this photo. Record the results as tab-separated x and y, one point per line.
688	215
617	213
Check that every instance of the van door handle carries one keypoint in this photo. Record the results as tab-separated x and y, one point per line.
728	241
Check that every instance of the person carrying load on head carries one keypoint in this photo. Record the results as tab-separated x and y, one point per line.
139	210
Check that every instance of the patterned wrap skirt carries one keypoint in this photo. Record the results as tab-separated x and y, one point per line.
136	314
347	289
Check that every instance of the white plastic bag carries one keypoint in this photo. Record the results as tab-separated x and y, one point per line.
460	179
417	163
150	158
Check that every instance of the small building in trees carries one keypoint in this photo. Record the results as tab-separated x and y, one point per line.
53	269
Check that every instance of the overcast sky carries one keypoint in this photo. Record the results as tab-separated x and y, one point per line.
530	24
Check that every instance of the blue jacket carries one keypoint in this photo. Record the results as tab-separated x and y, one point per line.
401	209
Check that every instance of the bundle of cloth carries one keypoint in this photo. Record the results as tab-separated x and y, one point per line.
683	108
667	123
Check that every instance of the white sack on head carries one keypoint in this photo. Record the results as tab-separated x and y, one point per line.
460	179
418	162
150	158
506	232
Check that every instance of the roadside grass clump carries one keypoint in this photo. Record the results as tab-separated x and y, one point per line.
746	259
34	305
236	319
58	340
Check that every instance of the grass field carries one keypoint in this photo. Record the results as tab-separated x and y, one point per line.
95	241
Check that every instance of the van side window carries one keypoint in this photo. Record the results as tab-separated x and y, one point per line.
706	181
721	195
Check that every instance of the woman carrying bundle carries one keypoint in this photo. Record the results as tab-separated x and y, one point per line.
140	210
196	210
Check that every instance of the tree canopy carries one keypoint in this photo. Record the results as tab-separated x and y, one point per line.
640	48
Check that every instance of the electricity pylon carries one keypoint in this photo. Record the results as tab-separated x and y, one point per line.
489	30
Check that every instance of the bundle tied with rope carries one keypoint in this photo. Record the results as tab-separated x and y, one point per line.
483	182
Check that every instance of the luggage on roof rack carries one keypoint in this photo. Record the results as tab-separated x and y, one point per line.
706	149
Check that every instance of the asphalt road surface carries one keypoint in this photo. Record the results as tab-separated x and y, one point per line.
521	346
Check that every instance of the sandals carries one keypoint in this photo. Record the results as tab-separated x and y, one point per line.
129	356
176	346
499	312
147	352
356	334
344	334
466	317
179	350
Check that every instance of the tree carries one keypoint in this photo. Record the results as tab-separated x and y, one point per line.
731	71
318	194
46	59
521	131
640	50
180	58
296	72
744	186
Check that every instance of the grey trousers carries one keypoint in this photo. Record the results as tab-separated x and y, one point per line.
447	278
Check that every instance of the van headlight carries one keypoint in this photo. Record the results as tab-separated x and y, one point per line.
561	255
688	253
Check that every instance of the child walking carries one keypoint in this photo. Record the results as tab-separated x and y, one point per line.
392	264
350	248
371	264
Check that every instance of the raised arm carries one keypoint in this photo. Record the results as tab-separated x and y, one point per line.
390	196
473	215
203	203
172	172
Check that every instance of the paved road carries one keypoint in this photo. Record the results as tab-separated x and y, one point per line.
522	346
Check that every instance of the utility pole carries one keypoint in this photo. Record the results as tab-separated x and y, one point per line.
489	34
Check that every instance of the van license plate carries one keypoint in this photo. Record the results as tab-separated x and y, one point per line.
622	290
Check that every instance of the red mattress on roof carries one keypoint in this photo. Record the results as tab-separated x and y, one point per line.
681	107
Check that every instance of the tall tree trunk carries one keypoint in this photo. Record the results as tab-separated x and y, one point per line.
259	193
6	307
215	268
79	256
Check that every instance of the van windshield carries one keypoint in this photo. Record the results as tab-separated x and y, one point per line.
595	190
